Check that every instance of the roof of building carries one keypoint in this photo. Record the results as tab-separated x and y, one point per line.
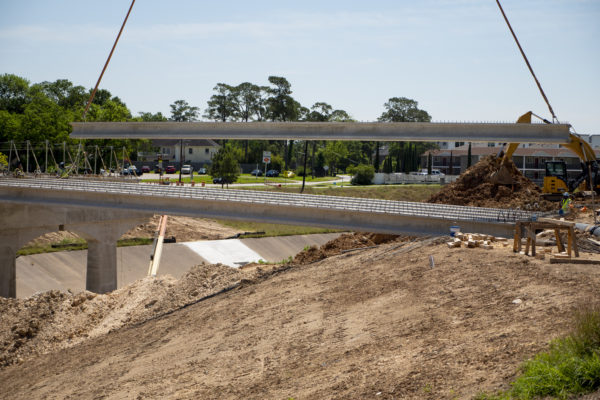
186	142
521	151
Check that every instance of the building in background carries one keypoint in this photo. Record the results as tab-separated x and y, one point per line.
529	159
195	151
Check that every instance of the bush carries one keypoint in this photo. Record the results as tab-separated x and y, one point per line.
363	175
300	171
571	365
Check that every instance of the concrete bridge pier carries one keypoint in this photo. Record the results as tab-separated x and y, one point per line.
101	237
11	240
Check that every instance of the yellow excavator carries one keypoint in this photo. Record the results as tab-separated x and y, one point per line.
556	181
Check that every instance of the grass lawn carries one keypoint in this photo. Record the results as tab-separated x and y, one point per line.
272	229
243	178
80	244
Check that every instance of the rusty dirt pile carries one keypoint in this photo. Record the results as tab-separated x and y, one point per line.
473	188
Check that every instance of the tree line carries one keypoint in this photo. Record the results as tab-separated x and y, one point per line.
41	112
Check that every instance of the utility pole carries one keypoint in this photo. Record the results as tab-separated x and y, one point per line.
27	160
46	164
110	162
95	159
180	157
305	159
64	154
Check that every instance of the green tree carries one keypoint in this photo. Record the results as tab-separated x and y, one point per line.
221	106
363	175
225	165
181	111
281	105
469	156
14	93
334	152
246	98
402	109
67	95
320	112
149	117
340	116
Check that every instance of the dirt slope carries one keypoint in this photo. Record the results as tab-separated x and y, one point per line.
372	323
185	229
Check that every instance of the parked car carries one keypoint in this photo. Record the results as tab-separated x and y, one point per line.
170	169
256	172
131	170
202	171
145	169
187	169
272	173
220	181
435	172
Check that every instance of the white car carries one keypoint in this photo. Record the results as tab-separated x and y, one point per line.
435	172
187	169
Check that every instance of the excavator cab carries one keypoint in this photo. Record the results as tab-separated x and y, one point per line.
555	180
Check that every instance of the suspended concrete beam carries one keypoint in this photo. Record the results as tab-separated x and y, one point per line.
369	131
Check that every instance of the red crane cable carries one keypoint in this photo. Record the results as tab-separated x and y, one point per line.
527	62
107	61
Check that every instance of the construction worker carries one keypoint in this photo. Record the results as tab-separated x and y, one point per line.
565	204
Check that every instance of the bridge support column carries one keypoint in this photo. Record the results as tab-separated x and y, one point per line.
101	273
8	268
11	240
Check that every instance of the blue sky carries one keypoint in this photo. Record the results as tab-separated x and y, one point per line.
456	58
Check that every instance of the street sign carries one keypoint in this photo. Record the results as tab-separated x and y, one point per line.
267	157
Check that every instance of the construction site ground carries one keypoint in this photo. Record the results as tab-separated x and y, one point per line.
378	322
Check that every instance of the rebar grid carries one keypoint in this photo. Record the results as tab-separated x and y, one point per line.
363	205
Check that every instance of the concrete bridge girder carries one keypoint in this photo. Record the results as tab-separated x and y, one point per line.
370	131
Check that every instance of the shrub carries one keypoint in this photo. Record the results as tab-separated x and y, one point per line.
363	175
300	171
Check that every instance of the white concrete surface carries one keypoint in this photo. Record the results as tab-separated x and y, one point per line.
230	252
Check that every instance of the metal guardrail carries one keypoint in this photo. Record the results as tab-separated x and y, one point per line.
364	205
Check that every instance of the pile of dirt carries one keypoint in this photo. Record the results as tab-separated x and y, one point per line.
345	241
184	229
53	320
473	188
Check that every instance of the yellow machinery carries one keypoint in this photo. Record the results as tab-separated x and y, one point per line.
556	181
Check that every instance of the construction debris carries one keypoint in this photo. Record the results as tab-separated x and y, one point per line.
474	188
472	240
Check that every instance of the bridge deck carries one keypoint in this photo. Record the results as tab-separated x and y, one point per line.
274	199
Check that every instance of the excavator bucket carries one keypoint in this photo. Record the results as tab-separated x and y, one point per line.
502	177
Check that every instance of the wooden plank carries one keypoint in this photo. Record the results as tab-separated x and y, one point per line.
559	243
573	261
517	239
575	247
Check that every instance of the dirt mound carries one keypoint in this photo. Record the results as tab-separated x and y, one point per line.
54	320
346	241
473	188
184	229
